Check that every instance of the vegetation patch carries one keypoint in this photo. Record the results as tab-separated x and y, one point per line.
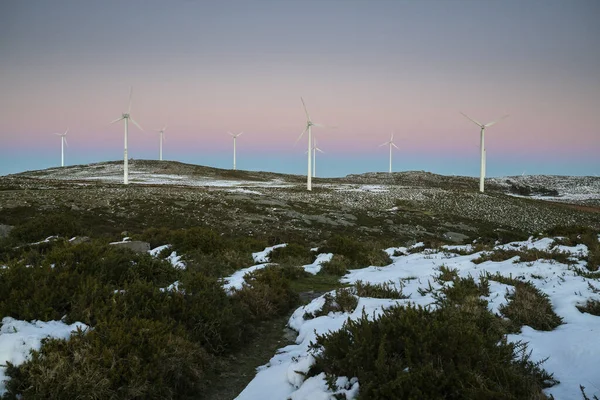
412	352
525	255
529	306
590	307
343	301
338	265
385	290
360	254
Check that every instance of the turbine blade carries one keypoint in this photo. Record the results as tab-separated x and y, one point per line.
384	144
164	128
239	134
67	143
474	121
493	122
231	133
395	146
300	137
136	124
305	110
117	120
318	149
130	94
59	134
66	131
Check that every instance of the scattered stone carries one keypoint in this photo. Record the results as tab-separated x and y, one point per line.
79	239
5	230
455	237
136	245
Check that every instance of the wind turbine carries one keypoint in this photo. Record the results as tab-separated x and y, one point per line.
390	143
314	155
63	141
309	124
234	135
482	145
126	117
161	134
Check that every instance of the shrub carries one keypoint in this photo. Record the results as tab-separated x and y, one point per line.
300	255
359	253
338	265
343	301
591	307
529	306
446	274
44	225
379	291
123	359
412	352
267	293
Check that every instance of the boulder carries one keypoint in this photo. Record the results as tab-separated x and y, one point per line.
455	237
5	230
79	239
135	245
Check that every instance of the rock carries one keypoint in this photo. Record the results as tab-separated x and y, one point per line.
5	230
79	239
455	237
136	245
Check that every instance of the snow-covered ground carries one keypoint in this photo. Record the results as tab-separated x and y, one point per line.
18	338
572	349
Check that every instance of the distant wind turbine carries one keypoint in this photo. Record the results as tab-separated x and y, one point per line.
309	124
390	143
314	155
482	146
126	117
63	141
234	135
161	134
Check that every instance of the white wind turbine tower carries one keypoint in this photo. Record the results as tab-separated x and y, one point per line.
126	117
161	134
390	143
234	135
314	156
482	146
309	124
63	141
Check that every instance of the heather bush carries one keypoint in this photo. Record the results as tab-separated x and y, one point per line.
529	306
448	352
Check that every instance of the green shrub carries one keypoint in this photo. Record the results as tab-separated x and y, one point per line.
529	306
338	265
591	307
415	353
267	293
342	301
43	225
122	359
359	253
446	274
300	255
379	291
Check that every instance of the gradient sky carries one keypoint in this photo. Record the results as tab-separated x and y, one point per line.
367	67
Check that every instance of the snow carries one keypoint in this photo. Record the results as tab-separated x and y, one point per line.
157	250
173	258
572	348
236	281
18	338
315	267
263	256
246	191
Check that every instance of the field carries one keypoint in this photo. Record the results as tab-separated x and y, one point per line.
411	258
